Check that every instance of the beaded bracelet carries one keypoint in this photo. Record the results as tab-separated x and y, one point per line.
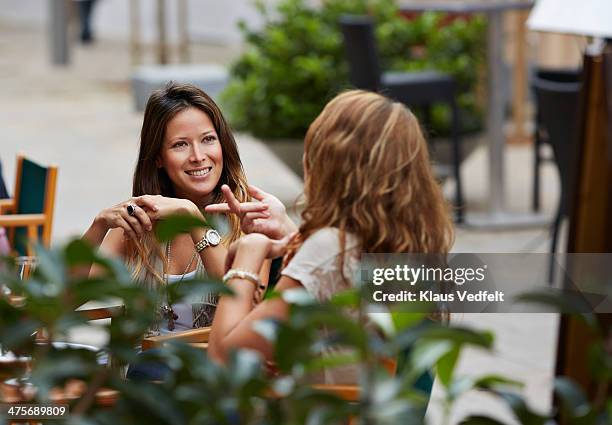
243	274
260	288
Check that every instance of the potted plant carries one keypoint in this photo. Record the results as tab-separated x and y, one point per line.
295	63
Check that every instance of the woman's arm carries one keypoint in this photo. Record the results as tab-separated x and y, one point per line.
235	315
213	257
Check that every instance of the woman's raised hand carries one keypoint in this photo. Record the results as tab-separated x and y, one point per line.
267	216
257	245
133	224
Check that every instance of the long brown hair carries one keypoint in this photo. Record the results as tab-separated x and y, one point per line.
149	179
367	172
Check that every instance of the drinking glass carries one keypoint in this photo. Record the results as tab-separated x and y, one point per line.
25	266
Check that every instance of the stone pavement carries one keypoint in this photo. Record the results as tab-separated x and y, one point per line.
81	118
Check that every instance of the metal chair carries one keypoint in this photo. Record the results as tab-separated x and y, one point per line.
540	136
557	111
414	89
29	214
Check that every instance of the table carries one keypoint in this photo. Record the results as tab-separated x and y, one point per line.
162	50
96	310
497	216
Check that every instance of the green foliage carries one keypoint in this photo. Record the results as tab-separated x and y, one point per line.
199	391
295	63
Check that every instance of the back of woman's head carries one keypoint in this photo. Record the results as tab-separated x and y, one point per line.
368	173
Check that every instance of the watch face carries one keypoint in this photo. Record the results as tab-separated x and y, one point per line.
213	237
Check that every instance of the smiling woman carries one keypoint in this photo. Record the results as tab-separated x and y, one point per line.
187	152
192	155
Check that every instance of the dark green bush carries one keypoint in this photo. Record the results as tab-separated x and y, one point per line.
295	63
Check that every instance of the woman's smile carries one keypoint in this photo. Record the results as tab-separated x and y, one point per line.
200	172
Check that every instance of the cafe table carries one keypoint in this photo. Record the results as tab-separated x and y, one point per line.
497	216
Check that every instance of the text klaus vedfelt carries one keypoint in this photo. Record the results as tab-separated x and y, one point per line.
413	275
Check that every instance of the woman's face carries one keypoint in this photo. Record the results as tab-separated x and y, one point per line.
192	156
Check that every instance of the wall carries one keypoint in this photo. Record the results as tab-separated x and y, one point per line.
212	21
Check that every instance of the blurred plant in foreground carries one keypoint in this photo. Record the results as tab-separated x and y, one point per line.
198	391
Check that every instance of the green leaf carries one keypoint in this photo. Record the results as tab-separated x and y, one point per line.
600	362
333	360
50	266
446	365
483	339
427	353
193	290
172	226
494	381
459	386
266	328
298	296
79	251
349	298
521	409
572	398
480	420
403	320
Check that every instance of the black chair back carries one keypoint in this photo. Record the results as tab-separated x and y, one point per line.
557	103
361	51
559	75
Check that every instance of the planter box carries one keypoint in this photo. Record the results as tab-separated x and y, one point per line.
290	152
210	78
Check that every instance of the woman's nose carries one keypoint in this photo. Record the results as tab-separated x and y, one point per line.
197	153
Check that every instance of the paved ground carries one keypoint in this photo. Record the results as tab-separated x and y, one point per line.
81	118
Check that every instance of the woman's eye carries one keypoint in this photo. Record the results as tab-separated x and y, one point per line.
179	144
209	139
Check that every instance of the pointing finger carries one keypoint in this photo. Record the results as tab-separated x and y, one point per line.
232	202
257	193
217	208
243	208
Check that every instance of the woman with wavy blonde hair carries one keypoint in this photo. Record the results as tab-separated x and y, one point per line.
368	188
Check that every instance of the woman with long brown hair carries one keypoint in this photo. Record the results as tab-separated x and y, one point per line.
187	152
368	188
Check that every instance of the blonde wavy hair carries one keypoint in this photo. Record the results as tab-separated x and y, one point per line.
367	172
149	179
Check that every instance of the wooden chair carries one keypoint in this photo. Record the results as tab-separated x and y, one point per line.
29	214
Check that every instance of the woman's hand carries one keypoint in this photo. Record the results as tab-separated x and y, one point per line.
146	209
133	225
257	247
165	207
268	216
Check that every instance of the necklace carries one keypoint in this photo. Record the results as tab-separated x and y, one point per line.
167	310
